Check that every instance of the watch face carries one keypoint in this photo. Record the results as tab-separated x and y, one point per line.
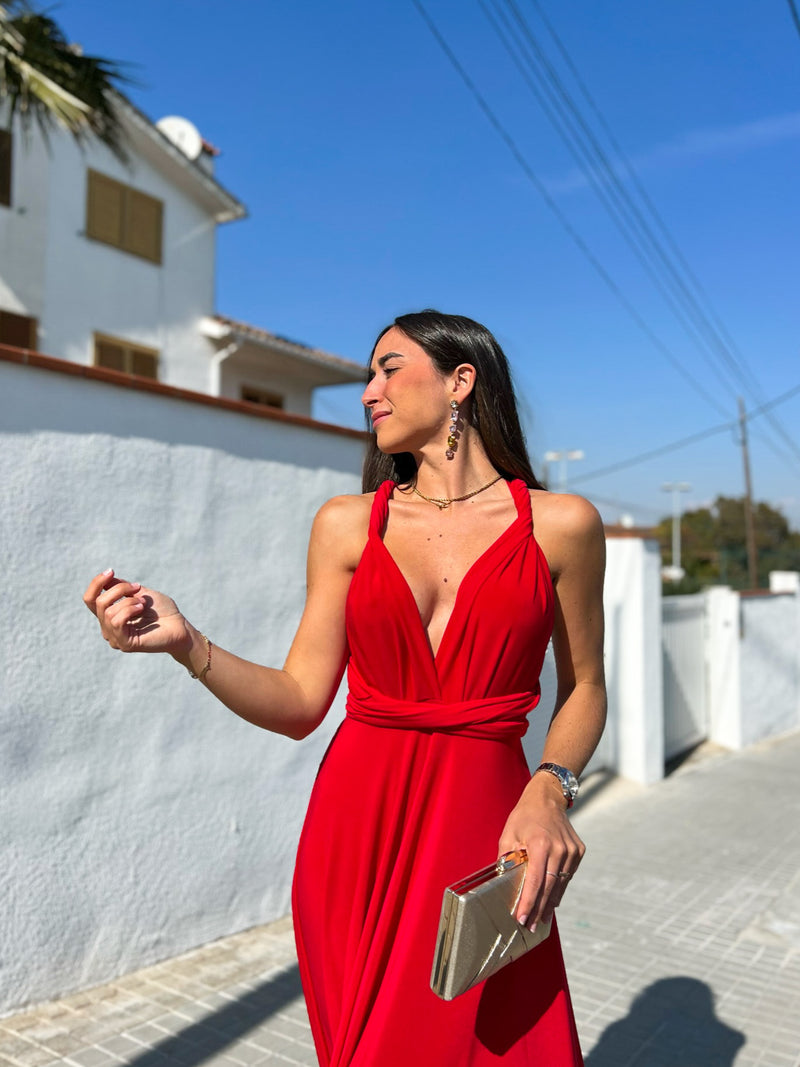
569	783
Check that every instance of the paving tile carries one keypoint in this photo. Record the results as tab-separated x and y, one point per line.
249	1054
92	1057
121	1046
221	1060
35	1056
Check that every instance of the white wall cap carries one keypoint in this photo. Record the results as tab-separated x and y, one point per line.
784	582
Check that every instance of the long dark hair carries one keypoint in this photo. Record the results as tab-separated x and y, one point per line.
450	340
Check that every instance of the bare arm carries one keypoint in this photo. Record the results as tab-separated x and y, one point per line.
571	535
291	701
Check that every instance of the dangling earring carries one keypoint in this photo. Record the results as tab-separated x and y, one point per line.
452	438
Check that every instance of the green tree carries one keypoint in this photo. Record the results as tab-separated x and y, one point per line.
714	550
46	80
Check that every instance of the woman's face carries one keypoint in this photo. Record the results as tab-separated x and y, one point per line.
407	398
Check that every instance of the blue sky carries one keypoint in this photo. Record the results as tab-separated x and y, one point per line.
377	185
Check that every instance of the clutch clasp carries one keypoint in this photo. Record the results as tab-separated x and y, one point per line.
511	859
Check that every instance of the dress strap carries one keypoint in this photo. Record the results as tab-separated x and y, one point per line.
522	498
380	509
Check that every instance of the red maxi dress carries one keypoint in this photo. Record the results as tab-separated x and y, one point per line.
412	795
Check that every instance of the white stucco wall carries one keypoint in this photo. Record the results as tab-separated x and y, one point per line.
633	741
770	667
753	657
23	232
139	816
723	658
633	745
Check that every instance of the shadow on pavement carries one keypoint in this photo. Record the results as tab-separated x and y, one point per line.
208	1036
672	1023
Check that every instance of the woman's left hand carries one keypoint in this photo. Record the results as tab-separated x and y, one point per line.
539	824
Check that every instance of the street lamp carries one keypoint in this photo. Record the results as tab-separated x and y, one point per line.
563	457
675	572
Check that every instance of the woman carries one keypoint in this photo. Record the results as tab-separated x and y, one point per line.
433	591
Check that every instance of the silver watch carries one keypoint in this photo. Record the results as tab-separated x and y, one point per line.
569	783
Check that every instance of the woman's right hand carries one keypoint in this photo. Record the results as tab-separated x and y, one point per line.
135	619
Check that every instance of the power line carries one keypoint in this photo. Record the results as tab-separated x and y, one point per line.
636	182
667	269
673	446
652	453
795	15
705	328
774	403
560	216
570	125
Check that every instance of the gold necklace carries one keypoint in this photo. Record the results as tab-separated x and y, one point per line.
443	502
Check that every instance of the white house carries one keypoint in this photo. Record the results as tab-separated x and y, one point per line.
112	265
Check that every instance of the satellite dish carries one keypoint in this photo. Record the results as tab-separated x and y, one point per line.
183	134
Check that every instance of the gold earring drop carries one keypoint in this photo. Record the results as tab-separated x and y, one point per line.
452	437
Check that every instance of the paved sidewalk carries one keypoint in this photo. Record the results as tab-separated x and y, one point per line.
682	940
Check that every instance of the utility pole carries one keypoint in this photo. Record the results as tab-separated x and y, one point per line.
749	525
563	457
675	572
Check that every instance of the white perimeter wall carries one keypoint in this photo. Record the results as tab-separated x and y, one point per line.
753	655
633	742
770	666
139	816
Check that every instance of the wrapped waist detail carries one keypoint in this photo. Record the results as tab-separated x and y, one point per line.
500	718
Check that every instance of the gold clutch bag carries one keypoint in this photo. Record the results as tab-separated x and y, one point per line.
478	933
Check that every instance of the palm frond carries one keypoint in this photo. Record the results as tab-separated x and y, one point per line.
46	80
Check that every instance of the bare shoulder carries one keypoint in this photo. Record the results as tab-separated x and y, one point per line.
340	528
568	528
565	514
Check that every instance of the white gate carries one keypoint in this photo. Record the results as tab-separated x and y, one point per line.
685	684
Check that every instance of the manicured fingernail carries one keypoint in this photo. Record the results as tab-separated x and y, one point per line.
109	571
532	928
522	920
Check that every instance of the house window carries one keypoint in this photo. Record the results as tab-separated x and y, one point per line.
115	354
5	167
17	330
126	218
261	396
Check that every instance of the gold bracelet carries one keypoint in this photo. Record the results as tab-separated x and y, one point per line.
207	667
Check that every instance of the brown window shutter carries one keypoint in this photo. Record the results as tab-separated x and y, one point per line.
117	354
5	167
110	355
17	330
143	224
104	209
145	364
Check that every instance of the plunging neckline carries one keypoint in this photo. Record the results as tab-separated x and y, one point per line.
465	579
